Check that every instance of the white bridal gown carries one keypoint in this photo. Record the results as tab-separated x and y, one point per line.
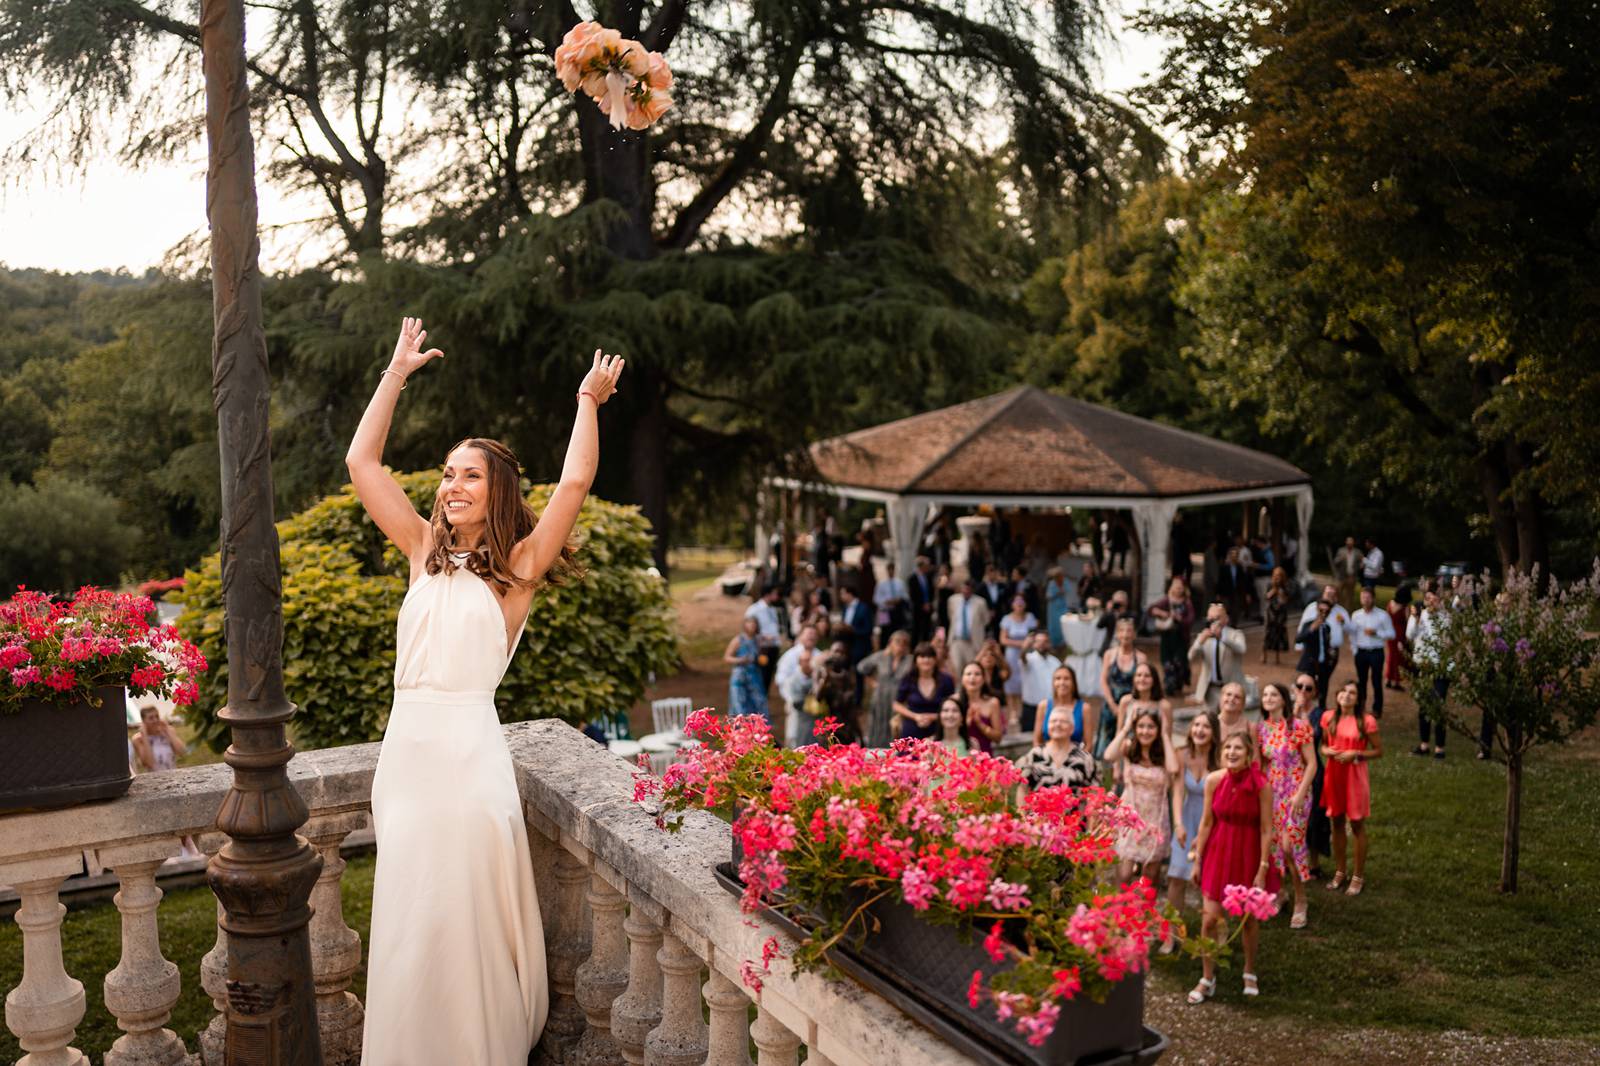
456	966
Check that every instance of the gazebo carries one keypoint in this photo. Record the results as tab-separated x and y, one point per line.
1029	448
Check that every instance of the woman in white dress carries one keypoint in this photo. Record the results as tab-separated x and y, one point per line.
456	963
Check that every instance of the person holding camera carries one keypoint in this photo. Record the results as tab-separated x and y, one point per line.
1219	650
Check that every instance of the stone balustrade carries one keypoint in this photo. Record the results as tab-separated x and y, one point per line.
638	932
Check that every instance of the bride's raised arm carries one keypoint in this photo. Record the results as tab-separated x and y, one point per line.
537	552
377	489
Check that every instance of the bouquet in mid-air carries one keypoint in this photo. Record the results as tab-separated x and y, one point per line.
630	84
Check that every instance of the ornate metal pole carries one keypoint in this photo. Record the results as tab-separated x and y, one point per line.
264	874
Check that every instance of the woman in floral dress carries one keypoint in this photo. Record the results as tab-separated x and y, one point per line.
1289	759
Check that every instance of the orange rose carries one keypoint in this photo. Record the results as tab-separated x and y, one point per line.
660	75
573	51
646	109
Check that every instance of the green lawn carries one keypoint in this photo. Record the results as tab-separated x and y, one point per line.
1431	944
91	939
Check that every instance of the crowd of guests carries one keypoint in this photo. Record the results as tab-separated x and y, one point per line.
1234	801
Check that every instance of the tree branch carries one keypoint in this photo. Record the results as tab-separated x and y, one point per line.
669	19
686	227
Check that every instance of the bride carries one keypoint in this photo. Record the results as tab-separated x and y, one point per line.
456	965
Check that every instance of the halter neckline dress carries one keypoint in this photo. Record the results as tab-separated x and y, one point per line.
456	964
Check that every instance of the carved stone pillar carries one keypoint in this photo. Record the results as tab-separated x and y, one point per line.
638	1009
567	939
681	1038
775	1045
603	977
730	1023
45	1008
335	947
143	988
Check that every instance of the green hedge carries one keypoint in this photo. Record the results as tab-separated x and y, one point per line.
589	647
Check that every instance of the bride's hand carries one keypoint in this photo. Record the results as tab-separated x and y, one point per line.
408	353
601	380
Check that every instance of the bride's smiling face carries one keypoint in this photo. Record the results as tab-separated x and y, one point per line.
464	490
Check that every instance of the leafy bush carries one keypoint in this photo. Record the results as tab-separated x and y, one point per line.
589	646
60	535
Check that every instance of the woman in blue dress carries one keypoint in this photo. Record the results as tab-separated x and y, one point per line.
1055	605
1199	759
747	690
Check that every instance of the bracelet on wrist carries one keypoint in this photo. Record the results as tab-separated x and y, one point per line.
593	396
397	374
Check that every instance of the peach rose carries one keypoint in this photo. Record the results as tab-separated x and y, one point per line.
634	60
573	52
647	109
660	75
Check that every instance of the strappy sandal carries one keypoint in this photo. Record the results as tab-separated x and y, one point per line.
1298	919
1356	884
1252	987
1202	991
1335	882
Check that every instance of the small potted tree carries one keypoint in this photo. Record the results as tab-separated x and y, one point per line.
65	671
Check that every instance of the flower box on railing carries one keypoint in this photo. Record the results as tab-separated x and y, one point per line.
58	754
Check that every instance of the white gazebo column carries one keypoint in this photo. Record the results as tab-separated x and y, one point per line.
905	529
1302	513
1152	521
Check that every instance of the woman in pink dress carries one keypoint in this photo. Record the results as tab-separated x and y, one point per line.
1232	849
1289	758
1349	741
1149	770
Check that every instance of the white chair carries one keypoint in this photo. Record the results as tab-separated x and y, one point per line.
670	716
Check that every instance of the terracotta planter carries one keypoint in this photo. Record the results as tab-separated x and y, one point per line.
924	969
59	754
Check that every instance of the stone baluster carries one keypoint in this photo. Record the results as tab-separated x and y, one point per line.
214	975
603	978
45	1008
214	979
335	947
730	1022
775	1044
638	1009
568	936
681	1038
143	989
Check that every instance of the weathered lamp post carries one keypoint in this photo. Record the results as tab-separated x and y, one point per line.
265	873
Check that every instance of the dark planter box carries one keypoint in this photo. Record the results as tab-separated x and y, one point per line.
924	970
59	754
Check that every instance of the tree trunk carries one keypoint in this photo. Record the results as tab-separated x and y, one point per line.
1512	845
616	168
648	444
1533	545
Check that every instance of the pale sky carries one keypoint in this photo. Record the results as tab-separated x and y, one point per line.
111	216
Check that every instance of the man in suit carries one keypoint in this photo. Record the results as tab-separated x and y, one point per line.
1318	652
857	619
1218	654
923	594
996	593
969	621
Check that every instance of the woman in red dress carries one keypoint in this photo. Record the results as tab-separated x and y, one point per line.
1397	652
1350	740
1232	848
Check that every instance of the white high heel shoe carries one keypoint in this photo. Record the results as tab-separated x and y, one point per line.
1252	987
1204	990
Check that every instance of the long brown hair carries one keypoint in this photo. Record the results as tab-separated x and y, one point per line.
510	519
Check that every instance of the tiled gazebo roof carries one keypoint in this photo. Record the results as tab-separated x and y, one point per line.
1027	442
